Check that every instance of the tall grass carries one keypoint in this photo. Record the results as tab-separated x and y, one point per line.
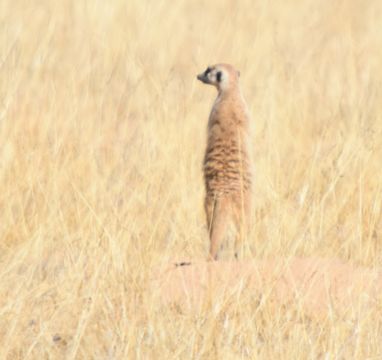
102	133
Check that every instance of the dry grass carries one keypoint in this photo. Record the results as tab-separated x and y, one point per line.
102	132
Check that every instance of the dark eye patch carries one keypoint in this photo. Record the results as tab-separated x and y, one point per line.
218	76
207	71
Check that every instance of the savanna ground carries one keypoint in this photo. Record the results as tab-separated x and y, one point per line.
102	133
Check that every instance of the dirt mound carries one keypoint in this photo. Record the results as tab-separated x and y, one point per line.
317	285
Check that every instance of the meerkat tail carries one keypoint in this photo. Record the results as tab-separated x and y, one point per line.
218	227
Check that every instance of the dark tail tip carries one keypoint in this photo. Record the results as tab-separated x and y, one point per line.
184	263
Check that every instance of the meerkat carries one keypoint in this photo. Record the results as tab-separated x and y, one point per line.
227	165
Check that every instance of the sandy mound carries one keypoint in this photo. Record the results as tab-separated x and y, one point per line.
315	285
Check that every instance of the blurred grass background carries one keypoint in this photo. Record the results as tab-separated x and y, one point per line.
102	132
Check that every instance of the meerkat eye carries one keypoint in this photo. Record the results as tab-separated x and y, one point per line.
207	71
219	76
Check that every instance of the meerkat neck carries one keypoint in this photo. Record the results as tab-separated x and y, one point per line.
231	92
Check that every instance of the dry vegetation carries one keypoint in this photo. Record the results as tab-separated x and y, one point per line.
102	132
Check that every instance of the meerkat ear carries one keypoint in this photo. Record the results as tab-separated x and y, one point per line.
238	73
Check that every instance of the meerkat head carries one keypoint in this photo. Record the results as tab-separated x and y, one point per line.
222	76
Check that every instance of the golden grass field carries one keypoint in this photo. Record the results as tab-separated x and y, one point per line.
102	132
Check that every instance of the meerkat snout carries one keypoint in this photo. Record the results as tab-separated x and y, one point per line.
211	75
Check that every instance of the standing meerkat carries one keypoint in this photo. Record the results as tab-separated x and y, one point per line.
227	165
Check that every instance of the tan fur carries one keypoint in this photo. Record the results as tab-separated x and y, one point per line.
227	161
